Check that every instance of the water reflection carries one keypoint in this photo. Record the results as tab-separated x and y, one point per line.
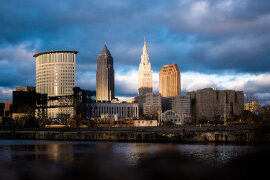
56	152
21	152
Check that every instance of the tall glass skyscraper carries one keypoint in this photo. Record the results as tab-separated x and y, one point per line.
105	76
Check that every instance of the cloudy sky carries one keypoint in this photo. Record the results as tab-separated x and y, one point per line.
216	43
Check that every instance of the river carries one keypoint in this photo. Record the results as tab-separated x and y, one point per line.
22	153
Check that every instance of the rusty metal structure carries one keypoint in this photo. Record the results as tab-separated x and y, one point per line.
80	101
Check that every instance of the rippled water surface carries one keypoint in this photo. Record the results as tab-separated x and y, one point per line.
21	152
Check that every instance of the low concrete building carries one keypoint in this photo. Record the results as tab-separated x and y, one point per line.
123	110
145	123
214	105
109	117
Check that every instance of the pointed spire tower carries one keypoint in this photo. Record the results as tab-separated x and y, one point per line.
105	76
145	84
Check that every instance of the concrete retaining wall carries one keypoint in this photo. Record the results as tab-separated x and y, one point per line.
141	135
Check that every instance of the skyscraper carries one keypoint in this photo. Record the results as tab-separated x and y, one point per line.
105	76
169	80
55	76
145	84
55	72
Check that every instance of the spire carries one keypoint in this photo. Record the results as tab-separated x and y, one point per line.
105	50
144	48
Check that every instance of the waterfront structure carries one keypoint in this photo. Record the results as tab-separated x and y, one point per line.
152	105
55	76
105	76
115	110
169	81
214	105
79	103
253	106
145	84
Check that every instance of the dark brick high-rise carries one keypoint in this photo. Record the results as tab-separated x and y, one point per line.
105	76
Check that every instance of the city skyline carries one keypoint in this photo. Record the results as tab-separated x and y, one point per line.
222	54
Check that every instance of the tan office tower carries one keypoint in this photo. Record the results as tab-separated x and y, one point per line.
105	76
169	81
55	76
145	84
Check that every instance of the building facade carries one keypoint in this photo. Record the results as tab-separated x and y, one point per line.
169	81
55	76
145	123
2	108
214	105
115	110
177	109
171	116
152	106
181	104
105	76
145	84
8	109
24	100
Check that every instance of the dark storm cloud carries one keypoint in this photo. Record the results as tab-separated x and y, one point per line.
211	36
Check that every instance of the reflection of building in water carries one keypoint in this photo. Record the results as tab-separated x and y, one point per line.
6	153
133	152
63	153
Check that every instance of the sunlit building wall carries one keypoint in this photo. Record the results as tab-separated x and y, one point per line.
169	81
145	84
55	76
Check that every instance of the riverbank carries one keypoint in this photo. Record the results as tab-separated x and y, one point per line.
176	134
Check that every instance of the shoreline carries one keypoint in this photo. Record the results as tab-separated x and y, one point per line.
180	134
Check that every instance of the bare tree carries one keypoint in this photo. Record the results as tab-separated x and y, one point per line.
251	98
